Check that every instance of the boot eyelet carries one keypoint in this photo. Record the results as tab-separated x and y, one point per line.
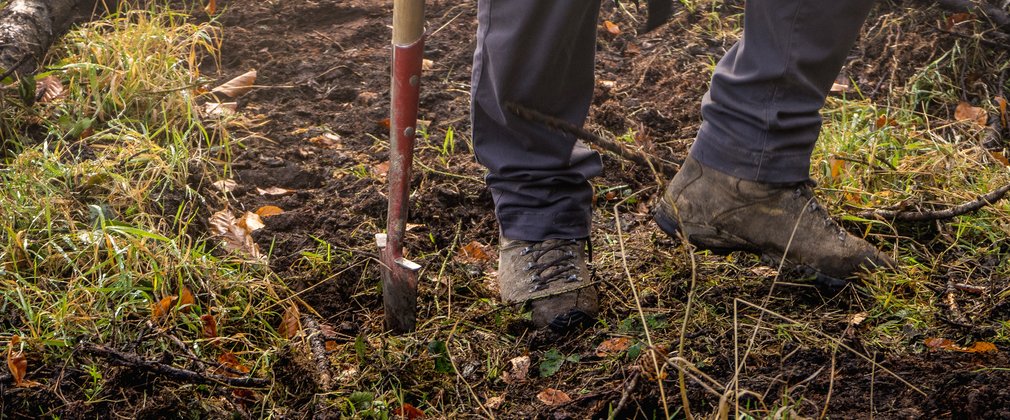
572	278
535	279
529	266
525	251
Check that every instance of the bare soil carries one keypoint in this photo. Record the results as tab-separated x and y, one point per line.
324	73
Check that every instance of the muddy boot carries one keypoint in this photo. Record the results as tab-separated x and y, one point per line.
553	277
718	212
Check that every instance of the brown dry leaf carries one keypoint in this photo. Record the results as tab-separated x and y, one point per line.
966	112
225	185
209	329
326	140
290	322
764	271
385	123
238	86
273	191
884	121
163	307
236	238
220	109
18	363
330	345
48	89
186	299
957	18
267	211
612	27
427	64
211	7
1000	158
231	361
839	88
409	412
1002	110
858	318
982	347
494	402
553	397
613	346
379	170
473	252
520	369
251	222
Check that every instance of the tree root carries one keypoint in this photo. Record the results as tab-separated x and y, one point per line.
118	358
317	342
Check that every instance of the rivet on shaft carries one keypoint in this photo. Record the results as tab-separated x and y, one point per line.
414	80
408	132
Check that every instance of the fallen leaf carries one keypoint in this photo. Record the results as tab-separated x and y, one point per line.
885	121
409	412
385	123
231	361
379	170
16	361
186	299
330	345
211	7
267	211
957	18
1002	110
609	84
473	252
553	397
326	140
494	402
220	109
837	166
209	329
163	307
290	322
520	370
613	346
238	86
48	89
982	347
235	238
427	64
612	27
1000	157
839	88
764	271
945	344
225	185
273	191
966	112
858	318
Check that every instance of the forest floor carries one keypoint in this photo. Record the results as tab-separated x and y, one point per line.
680	331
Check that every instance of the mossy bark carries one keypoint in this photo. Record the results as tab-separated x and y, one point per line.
29	27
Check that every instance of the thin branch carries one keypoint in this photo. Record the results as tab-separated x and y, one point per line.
318	345
994	14
948	213
118	358
580	133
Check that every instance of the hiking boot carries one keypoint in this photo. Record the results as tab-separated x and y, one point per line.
722	213
553	277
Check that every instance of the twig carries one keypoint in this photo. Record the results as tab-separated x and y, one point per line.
930	215
118	358
318	345
628	387
609	145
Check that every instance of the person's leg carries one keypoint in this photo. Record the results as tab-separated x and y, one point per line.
745	183
539	54
761	113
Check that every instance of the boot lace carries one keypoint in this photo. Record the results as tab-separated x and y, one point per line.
551	261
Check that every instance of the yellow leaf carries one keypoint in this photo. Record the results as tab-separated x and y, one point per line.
238	86
837	166
982	347
267	211
612	27
553	397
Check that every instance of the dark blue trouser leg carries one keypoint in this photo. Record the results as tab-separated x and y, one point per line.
761	114
540	54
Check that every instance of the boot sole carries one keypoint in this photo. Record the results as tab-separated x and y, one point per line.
707	238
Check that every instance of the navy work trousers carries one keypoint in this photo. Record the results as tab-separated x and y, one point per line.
760	117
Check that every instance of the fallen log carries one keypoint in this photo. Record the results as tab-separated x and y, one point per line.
29	27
